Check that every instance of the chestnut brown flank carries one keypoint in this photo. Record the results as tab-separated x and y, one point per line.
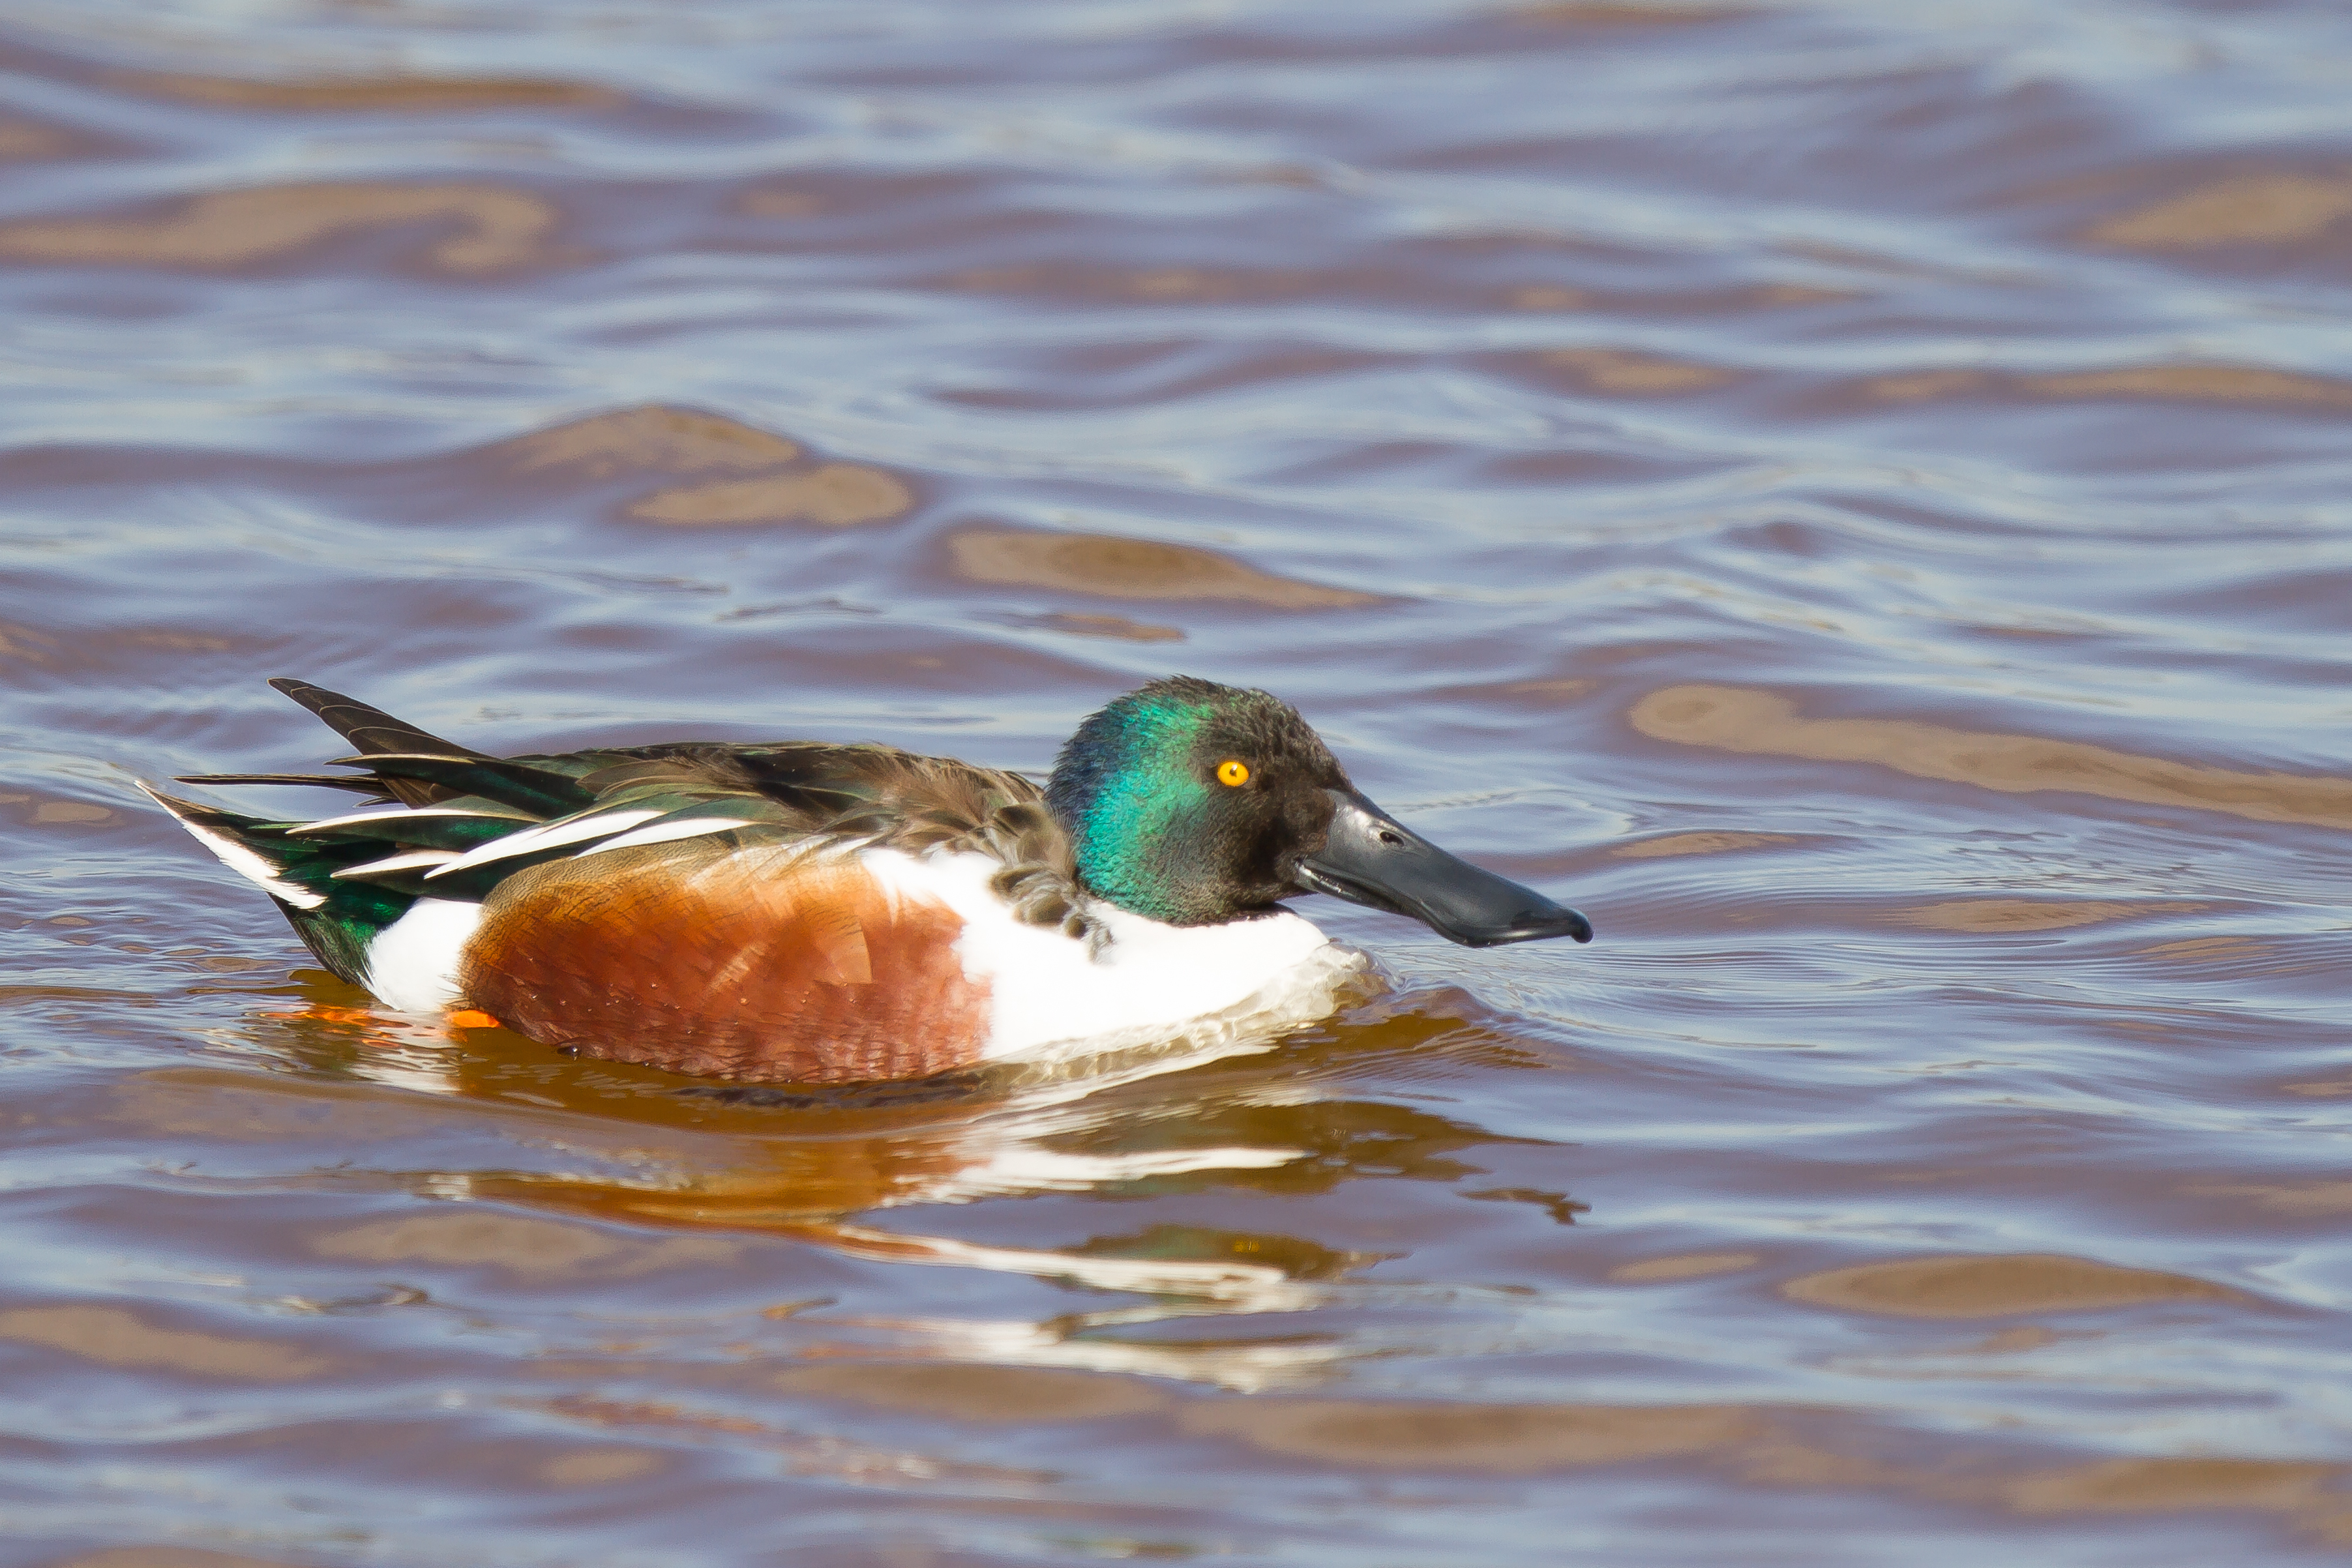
764	963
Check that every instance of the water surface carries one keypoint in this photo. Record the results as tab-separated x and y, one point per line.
1852	497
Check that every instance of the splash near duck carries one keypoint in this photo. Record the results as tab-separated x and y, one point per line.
807	912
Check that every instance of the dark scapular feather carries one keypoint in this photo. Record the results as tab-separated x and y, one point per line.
358	783
539	791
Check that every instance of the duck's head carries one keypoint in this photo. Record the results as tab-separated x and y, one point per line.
1194	803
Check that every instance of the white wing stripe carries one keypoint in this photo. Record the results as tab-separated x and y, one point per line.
397	814
667	833
402	862
548	837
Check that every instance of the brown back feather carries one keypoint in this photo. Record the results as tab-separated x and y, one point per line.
896	799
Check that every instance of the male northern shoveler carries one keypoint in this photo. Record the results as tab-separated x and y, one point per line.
813	913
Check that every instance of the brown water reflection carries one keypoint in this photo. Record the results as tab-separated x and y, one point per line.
1754	721
1621	371
25	140
1994	1287
2034	914
837	494
495	228
1132	569
652	439
118	1338
409	94
2259	209
2187	384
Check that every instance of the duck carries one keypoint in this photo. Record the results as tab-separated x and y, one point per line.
821	913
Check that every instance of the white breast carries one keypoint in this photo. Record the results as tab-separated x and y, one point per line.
1151	983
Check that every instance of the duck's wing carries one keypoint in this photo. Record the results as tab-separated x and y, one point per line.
898	800
816	793
448	821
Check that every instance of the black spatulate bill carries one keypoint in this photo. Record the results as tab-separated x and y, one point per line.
1373	859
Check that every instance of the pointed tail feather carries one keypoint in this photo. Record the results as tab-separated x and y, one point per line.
373	731
336	919
367	728
360	783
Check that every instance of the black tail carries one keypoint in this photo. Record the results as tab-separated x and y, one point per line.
316	866
369	729
412	766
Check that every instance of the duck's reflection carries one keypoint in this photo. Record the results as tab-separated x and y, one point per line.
621	1144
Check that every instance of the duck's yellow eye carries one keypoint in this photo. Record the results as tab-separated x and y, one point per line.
1233	772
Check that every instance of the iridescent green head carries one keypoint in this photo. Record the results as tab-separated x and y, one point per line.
1189	802
1195	804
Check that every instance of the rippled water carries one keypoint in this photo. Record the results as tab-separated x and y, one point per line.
1851	496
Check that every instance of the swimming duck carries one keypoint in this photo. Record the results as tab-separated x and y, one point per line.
807	912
